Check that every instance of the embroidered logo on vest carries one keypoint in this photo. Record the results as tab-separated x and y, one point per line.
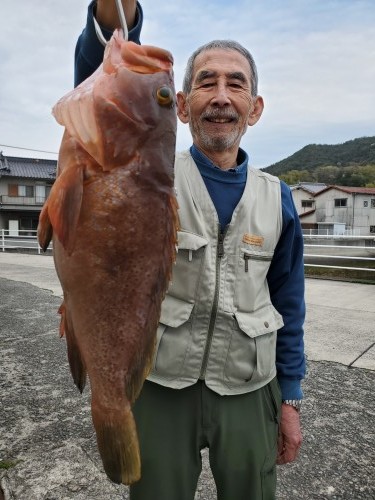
252	239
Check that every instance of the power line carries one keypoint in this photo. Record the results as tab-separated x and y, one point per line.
28	149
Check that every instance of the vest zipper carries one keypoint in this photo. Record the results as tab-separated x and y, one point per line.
211	326
248	257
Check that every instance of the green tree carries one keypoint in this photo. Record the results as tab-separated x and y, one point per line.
328	174
295	176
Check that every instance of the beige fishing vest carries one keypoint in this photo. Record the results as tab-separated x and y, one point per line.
217	321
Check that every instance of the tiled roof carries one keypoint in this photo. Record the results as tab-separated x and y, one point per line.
358	190
351	190
309	212
27	168
310	187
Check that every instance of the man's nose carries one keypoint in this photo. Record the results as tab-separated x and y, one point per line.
221	97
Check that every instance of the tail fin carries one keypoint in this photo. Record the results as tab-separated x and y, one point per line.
118	445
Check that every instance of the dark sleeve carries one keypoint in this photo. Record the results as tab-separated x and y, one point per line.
286	284
89	51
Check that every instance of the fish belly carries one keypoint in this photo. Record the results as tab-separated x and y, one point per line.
114	282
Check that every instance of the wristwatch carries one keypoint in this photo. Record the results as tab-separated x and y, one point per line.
296	403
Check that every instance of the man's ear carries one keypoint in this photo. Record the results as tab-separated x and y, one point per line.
182	108
257	111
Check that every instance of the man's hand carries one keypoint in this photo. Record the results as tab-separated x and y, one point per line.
107	15
290	436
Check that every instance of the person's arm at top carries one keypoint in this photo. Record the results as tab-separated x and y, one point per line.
89	50
107	14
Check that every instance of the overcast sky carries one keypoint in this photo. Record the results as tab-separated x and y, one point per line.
315	58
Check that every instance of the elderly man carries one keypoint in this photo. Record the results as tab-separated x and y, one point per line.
229	358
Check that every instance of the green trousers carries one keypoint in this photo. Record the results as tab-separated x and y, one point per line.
239	431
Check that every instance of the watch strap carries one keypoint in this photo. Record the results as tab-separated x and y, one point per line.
296	403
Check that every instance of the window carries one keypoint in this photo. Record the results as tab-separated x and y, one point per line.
12	190
365	203
40	193
372	229
341	202
29	223
307	203
372	202
26	191
16	190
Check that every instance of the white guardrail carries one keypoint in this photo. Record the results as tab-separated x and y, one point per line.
322	249
319	249
20	240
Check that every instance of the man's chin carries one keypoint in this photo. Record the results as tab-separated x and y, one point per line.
218	143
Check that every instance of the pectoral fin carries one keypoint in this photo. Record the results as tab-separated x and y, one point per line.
64	205
45	229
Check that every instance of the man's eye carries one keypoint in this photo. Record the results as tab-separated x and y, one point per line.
207	85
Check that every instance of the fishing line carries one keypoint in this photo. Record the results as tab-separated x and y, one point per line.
124	26
121	15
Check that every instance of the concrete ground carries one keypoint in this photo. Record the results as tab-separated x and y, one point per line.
47	441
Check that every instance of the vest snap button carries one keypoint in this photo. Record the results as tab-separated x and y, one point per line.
266	324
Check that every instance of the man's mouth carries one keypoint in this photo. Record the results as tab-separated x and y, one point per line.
220	117
219	120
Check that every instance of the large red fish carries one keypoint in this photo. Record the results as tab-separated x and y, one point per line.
113	216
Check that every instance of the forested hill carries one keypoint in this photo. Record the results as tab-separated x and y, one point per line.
357	152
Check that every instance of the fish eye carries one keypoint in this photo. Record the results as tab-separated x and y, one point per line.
165	96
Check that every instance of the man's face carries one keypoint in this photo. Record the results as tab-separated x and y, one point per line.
219	106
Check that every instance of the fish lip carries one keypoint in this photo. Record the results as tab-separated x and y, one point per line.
146	59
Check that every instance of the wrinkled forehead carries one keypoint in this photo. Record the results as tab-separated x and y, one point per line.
221	60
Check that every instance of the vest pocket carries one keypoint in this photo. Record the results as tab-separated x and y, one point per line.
252	347
252	269
187	270
173	337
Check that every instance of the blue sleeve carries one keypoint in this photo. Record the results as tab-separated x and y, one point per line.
286	284
89	51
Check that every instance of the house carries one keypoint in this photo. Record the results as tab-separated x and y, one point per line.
26	182
304	195
24	187
338	207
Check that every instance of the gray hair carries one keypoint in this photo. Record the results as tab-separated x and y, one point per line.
226	45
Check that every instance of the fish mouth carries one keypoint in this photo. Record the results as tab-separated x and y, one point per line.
146	59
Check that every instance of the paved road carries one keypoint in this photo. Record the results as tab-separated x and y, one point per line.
45	425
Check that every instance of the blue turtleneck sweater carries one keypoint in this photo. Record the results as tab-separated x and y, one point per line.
224	186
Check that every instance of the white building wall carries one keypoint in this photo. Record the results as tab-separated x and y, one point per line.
364	211
3	186
355	215
298	195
